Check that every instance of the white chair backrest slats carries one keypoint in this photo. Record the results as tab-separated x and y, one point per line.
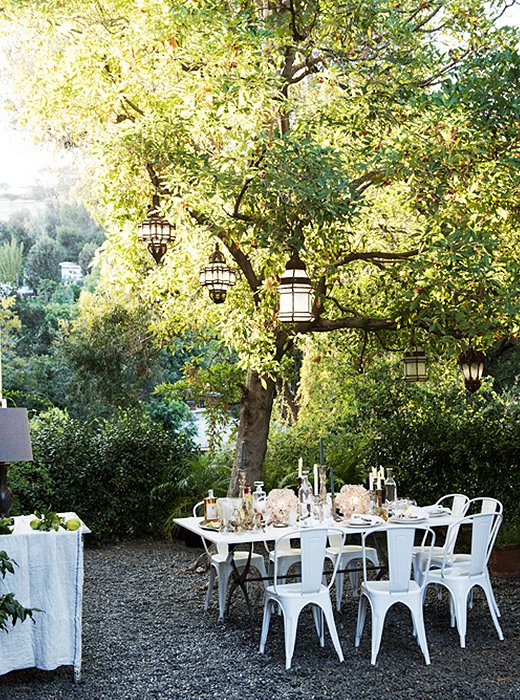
481	535
400	542
313	543
484	504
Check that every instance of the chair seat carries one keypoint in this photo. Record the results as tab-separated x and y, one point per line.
383	587
293	552
293	589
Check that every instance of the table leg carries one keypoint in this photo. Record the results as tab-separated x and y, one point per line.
239	580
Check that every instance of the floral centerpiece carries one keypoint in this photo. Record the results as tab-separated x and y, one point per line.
279	503
353	498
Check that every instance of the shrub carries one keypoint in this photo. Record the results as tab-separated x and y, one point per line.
103	469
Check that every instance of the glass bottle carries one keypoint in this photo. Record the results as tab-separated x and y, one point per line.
305	499
247	513
259	497
210	508
390	487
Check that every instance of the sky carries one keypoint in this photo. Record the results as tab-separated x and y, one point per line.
22	163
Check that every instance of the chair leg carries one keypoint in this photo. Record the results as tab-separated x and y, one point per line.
317	614
329	616
290	623
354	579
265	623
488	579
339	590
362	613
418	623
460	604
491	604
378	622
223	578
211	583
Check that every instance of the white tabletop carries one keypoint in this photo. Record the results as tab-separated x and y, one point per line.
271	533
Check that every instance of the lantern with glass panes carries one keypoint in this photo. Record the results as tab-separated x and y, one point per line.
217	276
415	365
295	292
471	363
155	231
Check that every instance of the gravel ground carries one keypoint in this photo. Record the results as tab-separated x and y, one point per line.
145	635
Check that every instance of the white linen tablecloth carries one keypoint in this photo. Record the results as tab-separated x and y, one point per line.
49	576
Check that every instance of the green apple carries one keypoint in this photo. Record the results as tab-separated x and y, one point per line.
35	524
73	524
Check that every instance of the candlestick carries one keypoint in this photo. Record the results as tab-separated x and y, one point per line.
322	452
332	482
300	468
315	479
243	458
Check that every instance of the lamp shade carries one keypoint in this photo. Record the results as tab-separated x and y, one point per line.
471	363
156	232
15	440
295	292
217	276
415	365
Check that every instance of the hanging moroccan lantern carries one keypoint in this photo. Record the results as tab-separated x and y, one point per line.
217	276
472	363
155	231
295	291
415	365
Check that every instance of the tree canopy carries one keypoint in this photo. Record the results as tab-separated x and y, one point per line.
379	139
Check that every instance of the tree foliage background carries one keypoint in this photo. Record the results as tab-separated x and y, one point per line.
378	139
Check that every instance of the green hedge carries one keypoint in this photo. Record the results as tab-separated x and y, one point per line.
438	438
106	470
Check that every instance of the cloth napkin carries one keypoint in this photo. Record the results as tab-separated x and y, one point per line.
437	508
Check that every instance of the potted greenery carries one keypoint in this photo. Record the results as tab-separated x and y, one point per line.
505	559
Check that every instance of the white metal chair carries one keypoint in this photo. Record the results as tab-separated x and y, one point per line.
349	554
221	568
399	588
291	598
288	557
458	504
482	504
461	573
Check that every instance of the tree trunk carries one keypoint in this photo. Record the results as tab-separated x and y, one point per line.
256	405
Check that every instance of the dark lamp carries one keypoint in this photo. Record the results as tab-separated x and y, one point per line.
295	292
415	365
472	363
156	232
15	446
217	276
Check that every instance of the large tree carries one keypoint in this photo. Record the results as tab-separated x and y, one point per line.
378	139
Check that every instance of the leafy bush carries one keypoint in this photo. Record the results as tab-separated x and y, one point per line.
438	438
103	469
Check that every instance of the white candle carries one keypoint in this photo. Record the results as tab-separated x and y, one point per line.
300	468
315	479
371	481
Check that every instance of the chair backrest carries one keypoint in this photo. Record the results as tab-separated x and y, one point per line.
196	508
313	542
484	504
457	502
484	529
400	541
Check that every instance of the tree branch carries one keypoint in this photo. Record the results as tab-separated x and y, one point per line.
376	257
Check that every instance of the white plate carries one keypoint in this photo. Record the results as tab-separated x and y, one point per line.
407	521
209	528
363	523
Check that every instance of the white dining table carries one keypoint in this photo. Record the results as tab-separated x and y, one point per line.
48	575
270	534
